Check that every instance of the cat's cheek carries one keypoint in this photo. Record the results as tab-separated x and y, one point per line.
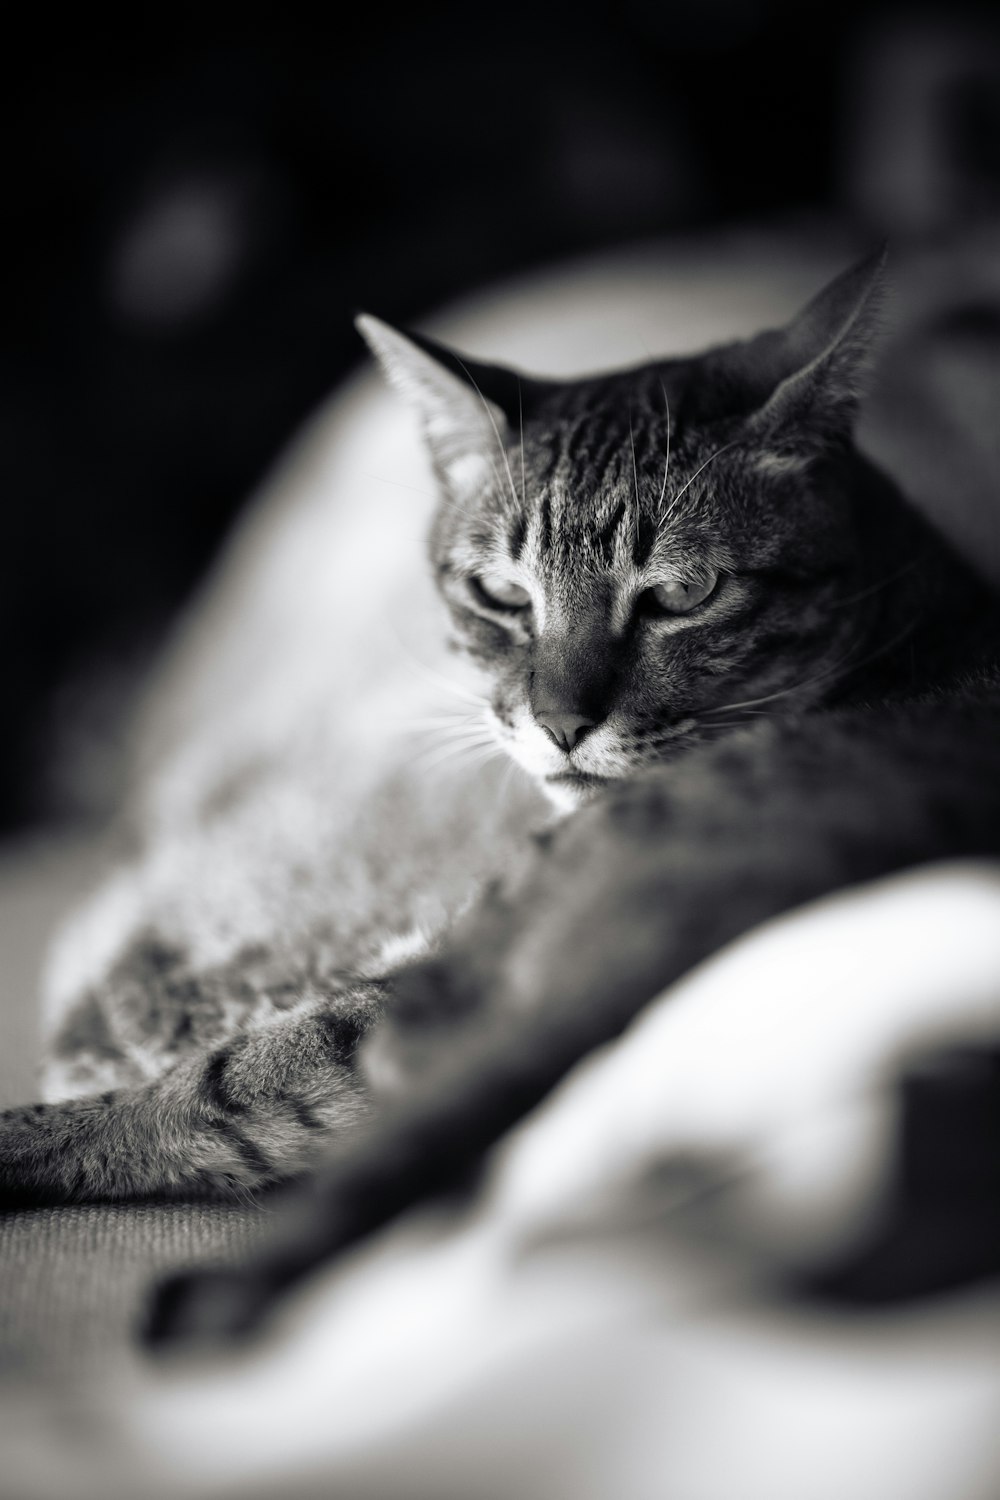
505	708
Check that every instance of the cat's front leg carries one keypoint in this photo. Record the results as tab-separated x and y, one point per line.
253	1111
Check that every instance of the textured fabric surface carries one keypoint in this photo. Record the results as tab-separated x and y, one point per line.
73	1281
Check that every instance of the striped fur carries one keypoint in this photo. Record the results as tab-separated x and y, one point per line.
254	1111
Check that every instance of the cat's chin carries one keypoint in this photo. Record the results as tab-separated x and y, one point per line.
571	790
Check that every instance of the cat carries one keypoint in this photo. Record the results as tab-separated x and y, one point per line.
704	620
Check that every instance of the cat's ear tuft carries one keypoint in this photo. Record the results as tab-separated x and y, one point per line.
821	358
463	405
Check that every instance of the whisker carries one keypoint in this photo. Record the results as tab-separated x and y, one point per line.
460	733
841	667
465	734
508	776
434	755
889	645
399	483
671	740
497	479
457	691
439	721
441	728
794	687
520	428
472	725
478	761
473	754
438	679
666	467
685	487
876	588
635	477
496	430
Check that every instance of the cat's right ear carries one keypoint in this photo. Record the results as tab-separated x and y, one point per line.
467	409
816	365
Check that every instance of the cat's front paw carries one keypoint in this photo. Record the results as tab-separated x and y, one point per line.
205	1308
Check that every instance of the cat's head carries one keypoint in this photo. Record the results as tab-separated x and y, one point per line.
643	558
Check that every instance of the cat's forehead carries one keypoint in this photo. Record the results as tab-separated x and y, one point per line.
600	472
605	482
588	427
643	429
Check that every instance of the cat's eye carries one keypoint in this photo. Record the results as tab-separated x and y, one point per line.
680	595
498	592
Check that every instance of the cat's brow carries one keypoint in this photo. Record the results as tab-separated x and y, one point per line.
517	535
605	534
545	523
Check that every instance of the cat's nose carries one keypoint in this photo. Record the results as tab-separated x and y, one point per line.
565	729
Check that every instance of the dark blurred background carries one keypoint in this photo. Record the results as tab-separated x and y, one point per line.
195	212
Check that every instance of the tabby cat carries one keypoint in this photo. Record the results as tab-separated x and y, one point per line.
715	636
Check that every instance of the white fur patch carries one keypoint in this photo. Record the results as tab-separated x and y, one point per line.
779	465
467	473
403	947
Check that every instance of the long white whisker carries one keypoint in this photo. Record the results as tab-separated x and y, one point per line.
440	721
473	754
685	487
457	689
888	645
441	732
465	733
832	671
876	588
399	483
462	694
496	430
432	754
794	687
508	776
497	478
470	753
520	428
666	467
635	476
472	726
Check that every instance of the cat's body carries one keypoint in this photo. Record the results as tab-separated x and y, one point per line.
727	481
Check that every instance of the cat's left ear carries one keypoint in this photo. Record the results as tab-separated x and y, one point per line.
819	360
468	410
